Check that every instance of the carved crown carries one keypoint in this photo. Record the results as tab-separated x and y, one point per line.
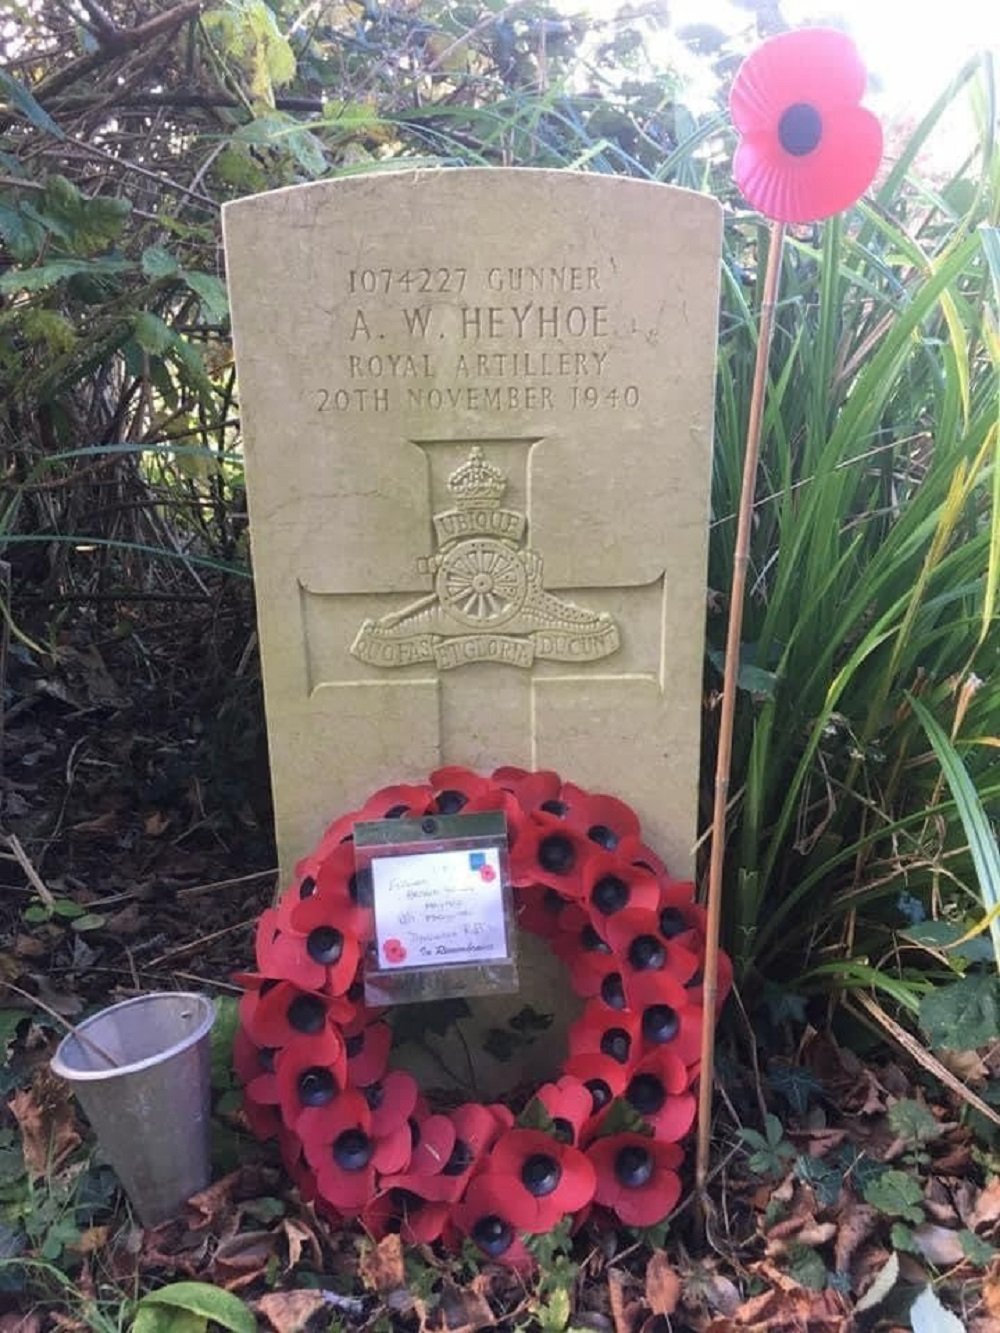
477	484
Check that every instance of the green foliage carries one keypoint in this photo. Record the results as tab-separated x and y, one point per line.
772	1153
962	1014
187	1307
913	1123
897	1194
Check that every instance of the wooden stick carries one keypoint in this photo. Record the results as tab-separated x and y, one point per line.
741	558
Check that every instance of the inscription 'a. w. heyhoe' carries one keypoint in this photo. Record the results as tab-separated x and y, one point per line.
488	603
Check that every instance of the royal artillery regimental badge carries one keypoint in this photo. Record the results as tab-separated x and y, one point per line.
488	603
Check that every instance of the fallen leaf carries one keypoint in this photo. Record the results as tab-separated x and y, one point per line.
46	1118
381	1267
857	1222
987	1208
29	946
208	1206
463	1310
663	1286
20	1323
244	1257
289	1311
297	1234
940	1246
616	1297
155	824
90	1240
991	1289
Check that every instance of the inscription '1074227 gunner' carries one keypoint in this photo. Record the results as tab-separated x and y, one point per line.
488	602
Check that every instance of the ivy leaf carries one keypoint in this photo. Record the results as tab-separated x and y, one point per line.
58	270
896	1194
964	1014
623	1118
536	1116
943	935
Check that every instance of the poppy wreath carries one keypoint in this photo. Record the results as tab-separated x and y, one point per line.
361	1141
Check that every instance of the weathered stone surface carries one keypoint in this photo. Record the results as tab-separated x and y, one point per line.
478	414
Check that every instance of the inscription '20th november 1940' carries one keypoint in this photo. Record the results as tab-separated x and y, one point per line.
453	356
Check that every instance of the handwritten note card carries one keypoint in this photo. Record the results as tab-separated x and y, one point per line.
439	908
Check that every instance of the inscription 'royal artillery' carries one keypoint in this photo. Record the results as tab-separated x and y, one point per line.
488	603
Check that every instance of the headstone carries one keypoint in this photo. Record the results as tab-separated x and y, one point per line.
478	410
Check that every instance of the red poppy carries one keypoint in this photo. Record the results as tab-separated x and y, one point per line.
394	951
668	1017
609	1032
609	886
368	1046
588	956
277	1012
417	1221
454	787
483	1216
341	1146
540	911
658	1090
339	895
309	1072
636	1177
543	1179
550	854
637	940
392	1101
303	1177
398	802
807	148
326	958
532	791
603	1078
570	1104
497	799
443	1162
605	820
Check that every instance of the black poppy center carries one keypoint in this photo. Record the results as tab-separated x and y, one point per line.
540	1174
557	808
610	894
352	1150
460	1160
646	1094
600	1093
493	1234
671	922
307	1014
308	887
359	886
562	1130
633	1166
604	837
316	1086
325	945
450	802
556	854
612	991
617	1043
645	953
592	942
660	1023
800	129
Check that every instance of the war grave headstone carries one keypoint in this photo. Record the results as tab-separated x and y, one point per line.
478	408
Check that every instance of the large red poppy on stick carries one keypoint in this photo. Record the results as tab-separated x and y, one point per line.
807	148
